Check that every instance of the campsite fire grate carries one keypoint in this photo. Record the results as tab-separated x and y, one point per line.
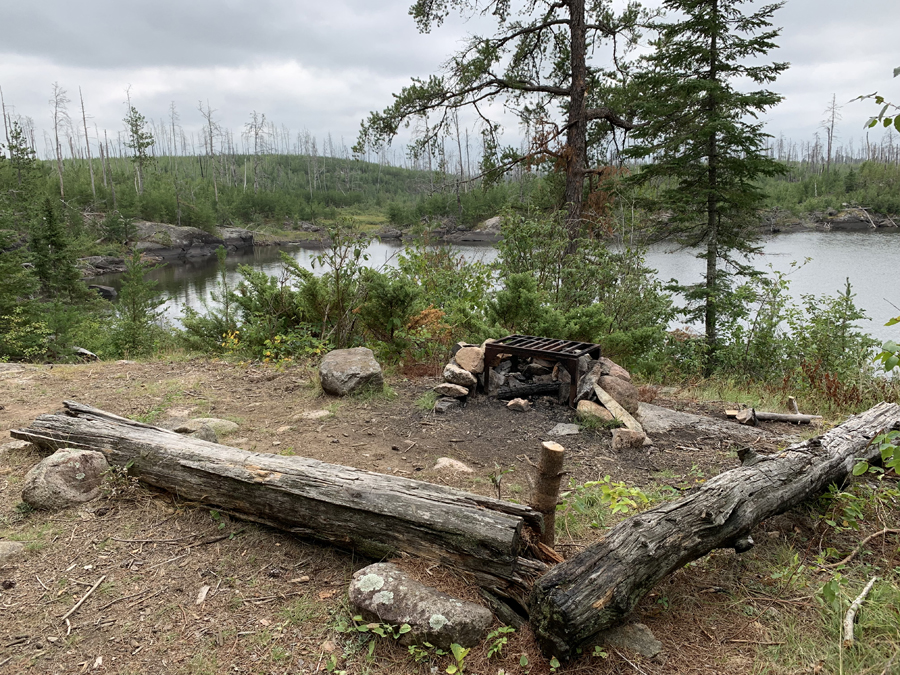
566	352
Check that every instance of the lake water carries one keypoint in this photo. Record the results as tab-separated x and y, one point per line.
868	259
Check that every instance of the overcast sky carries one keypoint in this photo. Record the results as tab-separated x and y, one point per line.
323	65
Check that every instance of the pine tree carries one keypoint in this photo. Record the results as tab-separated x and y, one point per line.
139	141
703	140
137	310
54	259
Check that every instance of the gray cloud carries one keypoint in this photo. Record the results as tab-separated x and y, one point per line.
325	65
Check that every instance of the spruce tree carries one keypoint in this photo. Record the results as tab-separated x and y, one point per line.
703	141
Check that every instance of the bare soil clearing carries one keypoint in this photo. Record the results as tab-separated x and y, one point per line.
272	602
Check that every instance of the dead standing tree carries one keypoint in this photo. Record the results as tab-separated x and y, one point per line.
541	63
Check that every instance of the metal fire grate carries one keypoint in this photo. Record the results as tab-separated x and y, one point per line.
566	352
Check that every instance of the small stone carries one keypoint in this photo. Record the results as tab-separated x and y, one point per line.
626	438
519	404
445	404
470	359
451	390
65	478
282	430
220	426
17	446
456	375
590	410
635	637
205	433
451	465
10	549
565	430
311	415
433	616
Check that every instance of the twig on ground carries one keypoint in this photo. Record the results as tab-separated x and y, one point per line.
851	613
859	547
155	541
756	642
890	663
83	598
124	597
41	582
633	665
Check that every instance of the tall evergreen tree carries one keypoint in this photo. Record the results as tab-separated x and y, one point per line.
54	259
703	140
139	141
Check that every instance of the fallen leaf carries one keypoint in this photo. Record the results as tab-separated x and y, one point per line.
201	596
324	595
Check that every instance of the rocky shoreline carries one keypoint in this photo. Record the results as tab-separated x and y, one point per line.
162	242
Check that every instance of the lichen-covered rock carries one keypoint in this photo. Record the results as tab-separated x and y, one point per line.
452	390
456	375
65	478
345	371
383	592
635	637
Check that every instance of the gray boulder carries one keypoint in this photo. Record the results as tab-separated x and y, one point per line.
218	426
613	369
10	549
446	404
383	592
635	637
16	446
452	390
345	371
65	478
456	375
625	393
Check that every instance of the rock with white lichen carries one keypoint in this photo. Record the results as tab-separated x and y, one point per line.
383	592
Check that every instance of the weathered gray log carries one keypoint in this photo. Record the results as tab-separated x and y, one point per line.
374	514
598	587
751	416
523	390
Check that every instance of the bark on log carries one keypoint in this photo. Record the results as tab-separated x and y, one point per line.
374	514
546	492
525	390
598	587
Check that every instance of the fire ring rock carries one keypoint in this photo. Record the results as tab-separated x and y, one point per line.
383	592
345	371
65	478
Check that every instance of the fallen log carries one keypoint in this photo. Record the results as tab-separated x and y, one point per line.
750	416
375	514
526	390
598	587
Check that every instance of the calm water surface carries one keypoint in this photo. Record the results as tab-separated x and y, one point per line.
868	259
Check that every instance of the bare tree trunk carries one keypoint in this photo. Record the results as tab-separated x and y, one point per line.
87	144
60	115
5	122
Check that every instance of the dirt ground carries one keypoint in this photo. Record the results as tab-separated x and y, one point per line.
274	603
